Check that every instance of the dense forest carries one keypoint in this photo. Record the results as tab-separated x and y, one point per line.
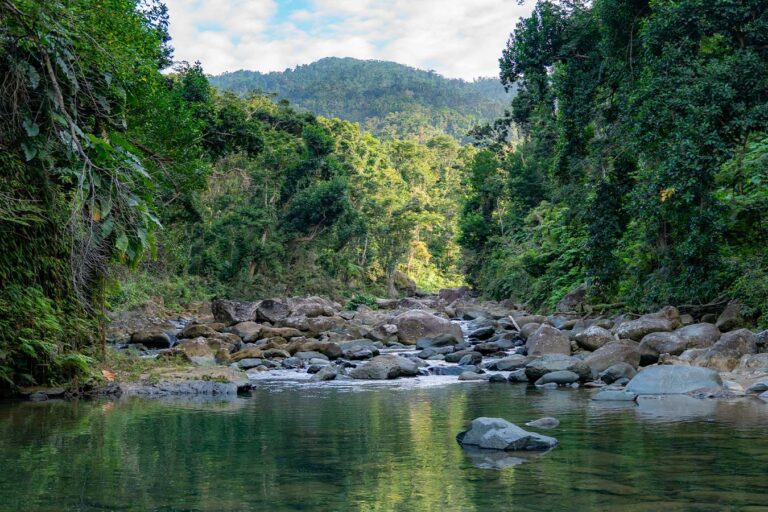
638	166
386	98
123	184
642	167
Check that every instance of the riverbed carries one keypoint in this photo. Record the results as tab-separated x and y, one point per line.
379	447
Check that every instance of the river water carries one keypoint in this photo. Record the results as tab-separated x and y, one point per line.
305	446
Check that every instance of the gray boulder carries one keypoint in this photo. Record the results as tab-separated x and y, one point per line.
271	310
668	319
326	373
548	340
561	378
518	376
231	312
673	379
471	358
702	335
512	362
623	351
499	434
616	372
614	395
725	355
388	366
730	318
455	357
593	337
471	376
539	367
151	339
416	324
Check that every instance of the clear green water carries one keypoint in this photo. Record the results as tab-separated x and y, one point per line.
377	449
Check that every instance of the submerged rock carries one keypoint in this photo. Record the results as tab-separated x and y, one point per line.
499	434
614	395
546	422
672	379
471	376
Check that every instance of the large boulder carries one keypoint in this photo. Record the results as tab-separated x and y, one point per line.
673	379
231	312
197	330
389	366
574	300
512	362
667	319
548	340
450	295
730	318
539	367
499	434
729	349
752	362
593	337
197	350
311	307
416	324
702	335
247	330
623	351
152	338
273	310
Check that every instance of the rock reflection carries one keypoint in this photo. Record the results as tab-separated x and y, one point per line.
498	459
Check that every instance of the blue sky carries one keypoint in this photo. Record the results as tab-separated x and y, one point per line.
457	38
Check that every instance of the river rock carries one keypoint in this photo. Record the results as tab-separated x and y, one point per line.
702	335
329	372
455	357
673	379
443	340
450	295
560	377
466	375
730	318
617	371
546	423
306	356
471	358
573	300
548	340
539	367
527	330
623	351
753	362
231	312
518	375
415	324
196	331
154	339
614	395
499	434
758	387
271	353
197	350
667	319
593	337
497	378
272	310
388	366
512	362
728	351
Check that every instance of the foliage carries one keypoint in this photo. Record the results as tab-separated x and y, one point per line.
642	126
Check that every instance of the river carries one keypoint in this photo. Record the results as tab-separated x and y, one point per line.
380	447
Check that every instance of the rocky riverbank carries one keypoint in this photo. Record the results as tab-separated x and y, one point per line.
227	346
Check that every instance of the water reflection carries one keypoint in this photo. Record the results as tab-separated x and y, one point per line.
375	448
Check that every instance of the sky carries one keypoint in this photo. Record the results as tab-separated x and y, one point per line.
456	38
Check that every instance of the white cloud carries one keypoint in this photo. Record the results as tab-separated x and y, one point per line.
457	38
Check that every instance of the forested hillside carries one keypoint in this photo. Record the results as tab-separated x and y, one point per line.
643	164
386	98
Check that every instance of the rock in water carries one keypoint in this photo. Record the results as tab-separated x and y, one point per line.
672	380
499	434
546	422
388	366
415	324
560	377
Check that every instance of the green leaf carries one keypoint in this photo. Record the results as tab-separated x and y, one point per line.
29	151
122	243
30	127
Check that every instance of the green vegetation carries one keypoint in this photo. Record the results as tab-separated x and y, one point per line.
642	163
388	99
123	184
